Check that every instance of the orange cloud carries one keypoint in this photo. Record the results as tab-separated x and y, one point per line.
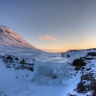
54	50
76	38
47	37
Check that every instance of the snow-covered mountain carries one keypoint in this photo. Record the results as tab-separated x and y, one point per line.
12	43
8	38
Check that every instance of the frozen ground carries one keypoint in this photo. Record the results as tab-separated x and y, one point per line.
17	83
21	83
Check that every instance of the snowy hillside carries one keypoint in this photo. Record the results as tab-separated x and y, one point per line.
9	38
63	74
12	43
84	66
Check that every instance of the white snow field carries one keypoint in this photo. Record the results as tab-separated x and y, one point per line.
17	83
41	81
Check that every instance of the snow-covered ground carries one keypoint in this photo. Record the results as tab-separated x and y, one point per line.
41	82
19	83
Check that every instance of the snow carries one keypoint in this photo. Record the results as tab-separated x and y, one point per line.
36	83
20	83
53	73
86	82
11	42
24	86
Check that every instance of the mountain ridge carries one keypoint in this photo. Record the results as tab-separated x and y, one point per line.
8	37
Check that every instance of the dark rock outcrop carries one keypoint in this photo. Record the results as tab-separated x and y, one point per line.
91	54
87	84
14	62
78	63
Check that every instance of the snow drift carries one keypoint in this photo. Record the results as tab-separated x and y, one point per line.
51	73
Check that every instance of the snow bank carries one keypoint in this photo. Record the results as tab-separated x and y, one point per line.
51	73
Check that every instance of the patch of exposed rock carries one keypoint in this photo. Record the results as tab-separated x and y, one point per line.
87	84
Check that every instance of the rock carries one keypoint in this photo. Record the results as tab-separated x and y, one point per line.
78	63
91	54
87	84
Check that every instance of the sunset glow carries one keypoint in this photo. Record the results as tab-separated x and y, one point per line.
57	25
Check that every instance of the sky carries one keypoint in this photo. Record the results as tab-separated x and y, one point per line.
52	25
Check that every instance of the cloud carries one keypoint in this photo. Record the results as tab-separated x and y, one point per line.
53	50
50	50
47	37
76	38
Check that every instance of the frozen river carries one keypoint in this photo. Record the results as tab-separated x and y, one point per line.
56	60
